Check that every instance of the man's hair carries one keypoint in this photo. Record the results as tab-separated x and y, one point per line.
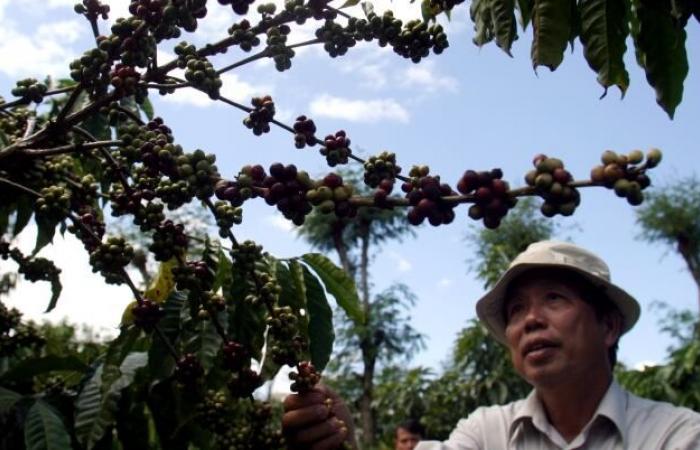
413	426
593	295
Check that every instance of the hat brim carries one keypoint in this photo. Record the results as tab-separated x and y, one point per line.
489	308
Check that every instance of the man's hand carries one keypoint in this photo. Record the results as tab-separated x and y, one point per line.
317	420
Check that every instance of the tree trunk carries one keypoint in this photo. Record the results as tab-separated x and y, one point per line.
342	249
369	351
692	260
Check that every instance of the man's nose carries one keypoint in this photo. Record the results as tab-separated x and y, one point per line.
534	319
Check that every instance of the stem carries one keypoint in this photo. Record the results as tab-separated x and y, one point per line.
19	186
70	148
20	102
230	235
68	106
132	115
259	55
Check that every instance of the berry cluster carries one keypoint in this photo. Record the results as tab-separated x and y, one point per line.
194	276
153	145
188	370
200	172
243	382
130	42
277	48
336	39
304	132
240	7
297	10
174	193
91	239
243	36
110	258
424	194
227	216
15	335
262	114
304	378
30	90
186	13
385	28
336	148
552	182
54	204
332	196
236	356
285	345
380	168
38	269
150	11
626	173
169	240
417	39
287	188
199	72
92	71
92	9
147	314
491	197
246	255
125	80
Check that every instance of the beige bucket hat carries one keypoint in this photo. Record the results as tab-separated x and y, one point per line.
561	255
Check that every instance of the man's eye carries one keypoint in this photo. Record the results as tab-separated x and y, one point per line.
553	296
514	309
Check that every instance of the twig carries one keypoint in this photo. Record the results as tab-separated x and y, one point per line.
70	148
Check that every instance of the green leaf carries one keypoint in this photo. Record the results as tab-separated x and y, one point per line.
429	10
8	399
552	23
660	49
246	321
5	211
117	351
206	342
338	283
504	26
28	368
480	12
321	335
44	236
525	9
44	429
223	271
349	3
604	29
367	8
4	141
147	108
96	405
160	362
298	299
25	210
292	294
56	288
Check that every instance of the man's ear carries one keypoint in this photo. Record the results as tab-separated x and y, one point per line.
613	327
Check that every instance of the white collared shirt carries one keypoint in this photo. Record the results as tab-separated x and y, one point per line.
622	421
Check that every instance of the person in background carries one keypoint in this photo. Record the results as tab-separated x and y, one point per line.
561	317
408	434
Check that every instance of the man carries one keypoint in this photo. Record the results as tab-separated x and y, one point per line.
408	434
561	317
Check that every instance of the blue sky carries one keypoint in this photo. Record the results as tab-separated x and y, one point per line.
468	108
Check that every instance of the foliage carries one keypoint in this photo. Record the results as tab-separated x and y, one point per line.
496	249
670	216
676	380
212	327
657	29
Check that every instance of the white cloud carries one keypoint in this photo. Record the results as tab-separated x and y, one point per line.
49	49
279	222
402	264
359	110
425	77
444	283
643	365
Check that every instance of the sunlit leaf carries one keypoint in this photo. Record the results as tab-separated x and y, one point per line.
163	283
504	26
551	22
337	283
321	335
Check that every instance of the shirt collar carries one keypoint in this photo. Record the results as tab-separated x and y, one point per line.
612	406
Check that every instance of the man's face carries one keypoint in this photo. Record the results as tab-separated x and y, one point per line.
405	440
553	334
